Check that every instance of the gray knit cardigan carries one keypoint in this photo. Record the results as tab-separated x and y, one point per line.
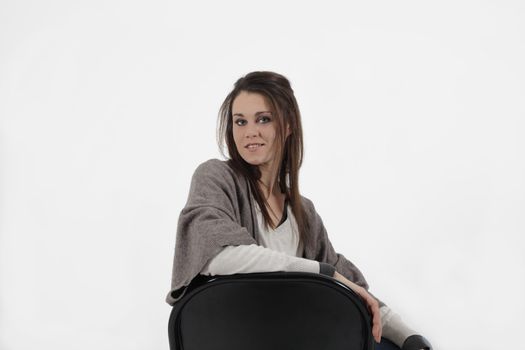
219	211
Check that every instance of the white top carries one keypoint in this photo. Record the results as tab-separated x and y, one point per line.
279	250
284	238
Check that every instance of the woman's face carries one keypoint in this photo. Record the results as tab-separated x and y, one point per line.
254	129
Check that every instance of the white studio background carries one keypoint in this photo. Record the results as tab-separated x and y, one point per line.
413	117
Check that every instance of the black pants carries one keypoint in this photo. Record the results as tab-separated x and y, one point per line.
386	345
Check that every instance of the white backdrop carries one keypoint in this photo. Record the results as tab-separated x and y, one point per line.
413	118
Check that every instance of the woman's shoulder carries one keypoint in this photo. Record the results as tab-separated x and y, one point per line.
212	164
215	168
308	205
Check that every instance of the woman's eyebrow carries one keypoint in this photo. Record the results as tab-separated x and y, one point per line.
256	114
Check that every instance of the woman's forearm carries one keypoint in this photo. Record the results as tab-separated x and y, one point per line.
255	258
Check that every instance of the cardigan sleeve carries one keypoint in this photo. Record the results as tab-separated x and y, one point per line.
208	222
323	250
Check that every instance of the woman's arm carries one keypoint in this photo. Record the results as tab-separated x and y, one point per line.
210	220
255	258
372	303
322	250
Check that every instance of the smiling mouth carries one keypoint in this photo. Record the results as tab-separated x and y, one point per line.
254	146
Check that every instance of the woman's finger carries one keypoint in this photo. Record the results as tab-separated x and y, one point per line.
371	303
376	317
373	306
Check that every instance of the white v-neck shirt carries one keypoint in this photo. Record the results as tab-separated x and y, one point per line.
278	250
284	238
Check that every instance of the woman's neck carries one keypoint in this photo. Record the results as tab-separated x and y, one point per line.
267	190
267	181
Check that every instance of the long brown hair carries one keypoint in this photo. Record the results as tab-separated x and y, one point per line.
278	92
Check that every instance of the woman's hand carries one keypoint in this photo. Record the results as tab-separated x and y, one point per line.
371	302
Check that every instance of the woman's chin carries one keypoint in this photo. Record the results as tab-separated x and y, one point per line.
253	160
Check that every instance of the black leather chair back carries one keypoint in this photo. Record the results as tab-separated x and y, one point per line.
269	311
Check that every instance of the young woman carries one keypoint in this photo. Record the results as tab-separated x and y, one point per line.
247	215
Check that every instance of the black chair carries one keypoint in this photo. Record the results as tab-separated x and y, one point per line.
270	311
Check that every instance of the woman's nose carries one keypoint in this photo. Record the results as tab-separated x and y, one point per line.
252	129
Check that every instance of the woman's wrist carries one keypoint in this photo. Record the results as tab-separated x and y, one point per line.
346	281
326	269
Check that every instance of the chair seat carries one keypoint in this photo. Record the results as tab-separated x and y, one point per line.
277	310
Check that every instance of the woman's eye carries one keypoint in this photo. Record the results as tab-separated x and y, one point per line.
240	122
265	119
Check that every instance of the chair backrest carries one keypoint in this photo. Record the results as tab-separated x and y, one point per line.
270	311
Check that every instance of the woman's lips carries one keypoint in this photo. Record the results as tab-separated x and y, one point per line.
254	147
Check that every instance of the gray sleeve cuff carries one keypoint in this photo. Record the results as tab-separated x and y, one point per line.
326	269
